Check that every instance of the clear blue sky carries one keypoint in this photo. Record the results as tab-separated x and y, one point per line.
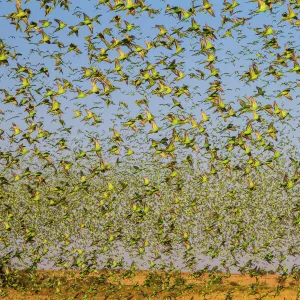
232	62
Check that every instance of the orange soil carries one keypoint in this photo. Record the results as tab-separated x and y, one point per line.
207	287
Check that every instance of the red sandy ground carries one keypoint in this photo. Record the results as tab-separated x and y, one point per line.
204	287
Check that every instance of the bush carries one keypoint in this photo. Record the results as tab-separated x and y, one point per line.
179	281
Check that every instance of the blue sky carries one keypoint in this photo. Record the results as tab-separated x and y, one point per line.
233	60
